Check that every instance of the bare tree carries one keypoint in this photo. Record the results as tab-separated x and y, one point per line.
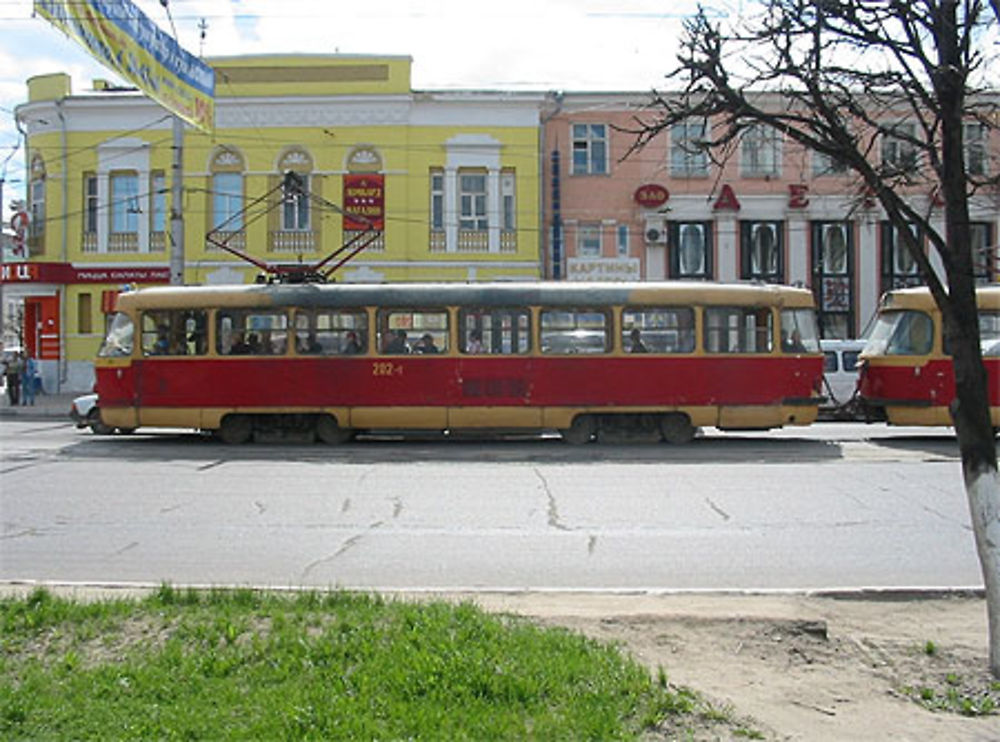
837	77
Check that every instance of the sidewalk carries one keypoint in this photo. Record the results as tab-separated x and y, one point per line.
46	406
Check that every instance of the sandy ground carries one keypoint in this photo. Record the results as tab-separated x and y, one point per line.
789	666
797	667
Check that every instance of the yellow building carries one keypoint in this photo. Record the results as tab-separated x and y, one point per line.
451	177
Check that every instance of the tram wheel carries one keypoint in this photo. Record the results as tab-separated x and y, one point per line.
677	428
580	431
328	431
236	429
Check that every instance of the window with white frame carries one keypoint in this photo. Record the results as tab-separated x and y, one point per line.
975	136
90	202
437	200
472	201
295	203
158	198
899	150
824	164
508	202
687	160
36	200
125	208
760	151
227	201
588	240
590	149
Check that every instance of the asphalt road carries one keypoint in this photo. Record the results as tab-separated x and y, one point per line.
827	507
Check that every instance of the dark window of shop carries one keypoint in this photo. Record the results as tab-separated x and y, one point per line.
691	250
833	278
762	254
985	253
899	268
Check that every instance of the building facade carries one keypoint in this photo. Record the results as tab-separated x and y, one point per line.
464	186
451	179
770	211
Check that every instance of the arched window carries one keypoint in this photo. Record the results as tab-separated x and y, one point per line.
295	214
227	191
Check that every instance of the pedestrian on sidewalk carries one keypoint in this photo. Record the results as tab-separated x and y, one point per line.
28	372
12	374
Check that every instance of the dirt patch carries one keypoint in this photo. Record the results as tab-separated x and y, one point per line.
799	667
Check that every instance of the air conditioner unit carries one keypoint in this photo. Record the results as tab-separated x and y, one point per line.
656	232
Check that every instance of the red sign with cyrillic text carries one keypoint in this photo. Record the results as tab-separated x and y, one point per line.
364	201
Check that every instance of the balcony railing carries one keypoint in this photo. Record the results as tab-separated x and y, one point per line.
123	242
293	241
376	245
88	242
237	240
508	240
437	242
473	240
157	241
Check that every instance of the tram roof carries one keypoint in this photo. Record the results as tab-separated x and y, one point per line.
987	297
542	293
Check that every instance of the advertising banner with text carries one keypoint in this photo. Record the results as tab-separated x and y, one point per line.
121	37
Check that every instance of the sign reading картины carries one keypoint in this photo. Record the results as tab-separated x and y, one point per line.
121	37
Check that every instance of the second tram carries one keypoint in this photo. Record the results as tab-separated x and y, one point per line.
906	370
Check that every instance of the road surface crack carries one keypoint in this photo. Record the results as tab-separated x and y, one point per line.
715	508
553	508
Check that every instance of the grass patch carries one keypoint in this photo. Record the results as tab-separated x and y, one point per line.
239	664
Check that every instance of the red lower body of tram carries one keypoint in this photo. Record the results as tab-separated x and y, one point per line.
448	392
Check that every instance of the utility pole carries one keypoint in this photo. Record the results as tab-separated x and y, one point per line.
176	197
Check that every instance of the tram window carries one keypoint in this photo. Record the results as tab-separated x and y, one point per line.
566	331
175	332
661	329
738	330
913	334
989	333
799	331
254	333
331	332
119	338
402	331
495	331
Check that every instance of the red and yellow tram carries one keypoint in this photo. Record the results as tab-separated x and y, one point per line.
589	360
906	370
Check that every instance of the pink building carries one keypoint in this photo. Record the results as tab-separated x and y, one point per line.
771	212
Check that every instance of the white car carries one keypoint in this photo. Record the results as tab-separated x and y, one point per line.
86	413
840	377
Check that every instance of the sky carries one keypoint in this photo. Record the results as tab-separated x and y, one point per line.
514	44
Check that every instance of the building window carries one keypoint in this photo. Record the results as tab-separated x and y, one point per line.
899	150
590	149
899	268
975	136
158	199
36	206
437	200
833	278
691	250
84	310
621	239
760	152
824	164
295	203
125	203
762	251
588	241
90	203
687	160
227	201
508	202
472	202
985	253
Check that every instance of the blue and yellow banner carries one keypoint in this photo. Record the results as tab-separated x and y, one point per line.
120	36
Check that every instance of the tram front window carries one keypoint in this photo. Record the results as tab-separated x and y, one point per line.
799	330
901	333
119	340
